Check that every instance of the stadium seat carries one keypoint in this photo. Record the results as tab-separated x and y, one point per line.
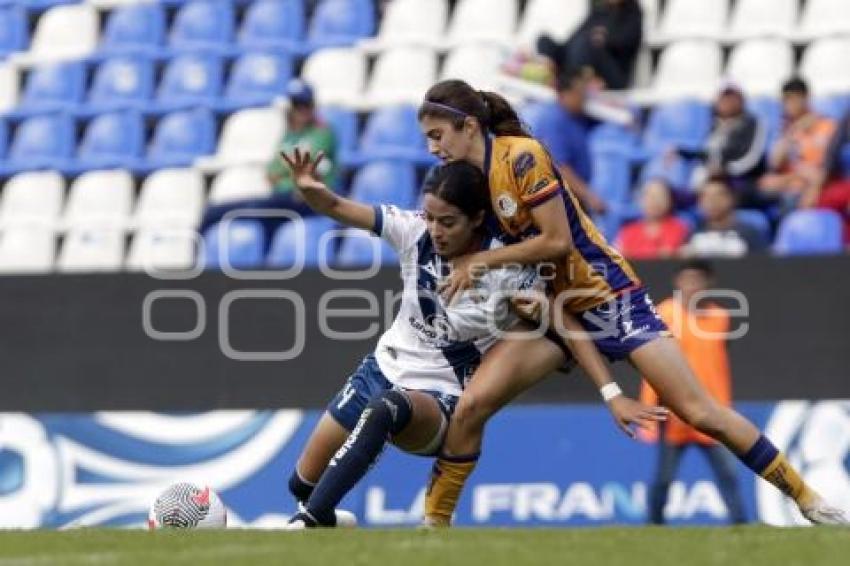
344	125
27	249
92	250
170	198
809	232
181	137
410	22
538	115
163	248
385	182
134	29
248	136
32	199
821	18
762	18
835	106
256	78
338	76
479	65
4	138
361	249
273	24
611	181
41	142
203	25
609	138
769	111
189	80
240	183
761	66
393	133
756	219
555	18
340	22
8	87
476	21
14	32
112	140
684	123
52	87
651	11
100	199
62	33
686	19
239	243
823	66
120	82
678	77
289	239
402	75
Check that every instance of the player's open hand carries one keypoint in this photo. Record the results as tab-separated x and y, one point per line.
630	414
303	167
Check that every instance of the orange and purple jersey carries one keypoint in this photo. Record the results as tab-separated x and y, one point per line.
521	176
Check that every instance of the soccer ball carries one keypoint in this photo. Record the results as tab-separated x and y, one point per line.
187	506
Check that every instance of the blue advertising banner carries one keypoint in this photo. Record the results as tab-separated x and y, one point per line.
561	465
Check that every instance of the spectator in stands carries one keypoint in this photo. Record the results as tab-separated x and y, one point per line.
735	146
796	159
833	192
701	327
721	234
658	234
607	42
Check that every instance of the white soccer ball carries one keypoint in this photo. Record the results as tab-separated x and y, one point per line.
187	506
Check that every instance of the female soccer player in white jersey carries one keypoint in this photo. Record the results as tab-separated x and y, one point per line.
407	389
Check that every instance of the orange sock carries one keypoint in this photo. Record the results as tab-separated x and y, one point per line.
448	476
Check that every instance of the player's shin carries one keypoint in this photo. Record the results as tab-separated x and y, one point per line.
771	464
300	488
448	476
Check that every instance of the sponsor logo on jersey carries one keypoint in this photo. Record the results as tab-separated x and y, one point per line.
523	163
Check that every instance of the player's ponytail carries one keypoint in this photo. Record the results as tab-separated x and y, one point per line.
455	100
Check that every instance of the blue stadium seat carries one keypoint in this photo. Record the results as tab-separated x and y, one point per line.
256	78
284	247
203	25
358	249
191	79
538	115
41	142
614	139
4	138
120	82
242	245
769	111
677	172
611	181
393	133
275	24
39	5
113	140
834	107
180	137
344	125
385	182
684	124
52	87
808	232
340	22
14	34
136	28
755	219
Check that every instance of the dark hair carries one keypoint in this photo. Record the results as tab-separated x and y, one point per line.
795	85
460	184
696	264
454	100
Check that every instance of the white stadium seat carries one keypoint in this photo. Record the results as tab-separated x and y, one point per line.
170	197
337	74
248	136
62	33
27	249
410	22
402	75
32	199
761	18
825	66
92	249
824	17
238	183
689	19
9	86
476	64
760	66
163	248
650	19
101	199
687	69
556	18
476	21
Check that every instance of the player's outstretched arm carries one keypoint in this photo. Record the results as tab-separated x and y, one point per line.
320	198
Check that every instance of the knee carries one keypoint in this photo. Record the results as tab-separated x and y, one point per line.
472	412
391	409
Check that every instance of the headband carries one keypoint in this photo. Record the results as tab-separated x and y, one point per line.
446	107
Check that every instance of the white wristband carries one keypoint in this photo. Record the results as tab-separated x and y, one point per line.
610	391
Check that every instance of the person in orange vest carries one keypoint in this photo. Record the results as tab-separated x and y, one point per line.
701	327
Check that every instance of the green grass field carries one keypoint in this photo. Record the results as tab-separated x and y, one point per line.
745	546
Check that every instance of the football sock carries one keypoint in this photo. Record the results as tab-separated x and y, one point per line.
383	417
771	464
299	487
448	477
